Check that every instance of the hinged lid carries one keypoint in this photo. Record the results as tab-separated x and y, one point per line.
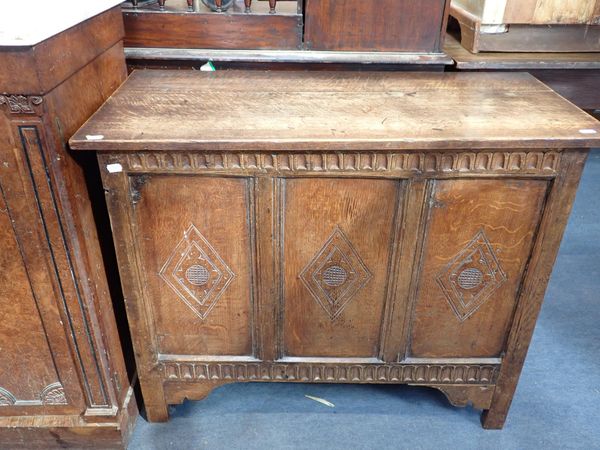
325	111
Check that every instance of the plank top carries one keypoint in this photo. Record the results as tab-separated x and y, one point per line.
250	110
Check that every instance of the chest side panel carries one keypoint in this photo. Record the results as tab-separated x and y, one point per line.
477	244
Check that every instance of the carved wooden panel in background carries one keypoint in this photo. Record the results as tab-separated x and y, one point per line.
24	348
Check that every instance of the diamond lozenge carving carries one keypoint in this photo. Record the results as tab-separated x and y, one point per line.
471	277
335	274
196	273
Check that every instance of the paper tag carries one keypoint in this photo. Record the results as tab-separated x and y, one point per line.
588	131
114	168
94	137
208	67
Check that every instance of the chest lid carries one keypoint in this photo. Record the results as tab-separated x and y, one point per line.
325	111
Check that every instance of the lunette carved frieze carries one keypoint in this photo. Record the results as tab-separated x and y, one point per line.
21	104
543	162
53	394
335	373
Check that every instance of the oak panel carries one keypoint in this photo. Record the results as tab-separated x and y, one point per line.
224	31
25	351
356	217
388	25
214	214
477	244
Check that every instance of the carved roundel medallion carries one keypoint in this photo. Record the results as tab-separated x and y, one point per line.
196	273
471	277
335	274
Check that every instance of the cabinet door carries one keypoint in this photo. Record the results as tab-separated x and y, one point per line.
337	235
193	235
385	25
477	244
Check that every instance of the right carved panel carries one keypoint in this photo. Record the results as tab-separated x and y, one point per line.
476	248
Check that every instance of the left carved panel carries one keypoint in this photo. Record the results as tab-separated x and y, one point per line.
193	235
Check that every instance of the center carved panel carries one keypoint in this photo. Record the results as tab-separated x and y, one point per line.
335	274
196	273
471	277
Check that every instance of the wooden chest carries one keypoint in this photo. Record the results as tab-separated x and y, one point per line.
528	25
336	227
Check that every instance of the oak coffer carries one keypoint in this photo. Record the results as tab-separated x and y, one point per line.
336	227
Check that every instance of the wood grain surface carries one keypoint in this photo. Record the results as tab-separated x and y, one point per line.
314	211
507	212
319	111
217	208
388	25
224	31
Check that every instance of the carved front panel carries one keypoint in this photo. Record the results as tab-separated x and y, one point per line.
336	245
477	243
193	234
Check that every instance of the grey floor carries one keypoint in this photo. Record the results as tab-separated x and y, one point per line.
557	404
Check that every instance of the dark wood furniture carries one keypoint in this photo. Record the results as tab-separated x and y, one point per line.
336	227
575	76
63	381
401	32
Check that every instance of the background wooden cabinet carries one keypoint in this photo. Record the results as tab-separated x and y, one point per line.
63	380
399	32
528	26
